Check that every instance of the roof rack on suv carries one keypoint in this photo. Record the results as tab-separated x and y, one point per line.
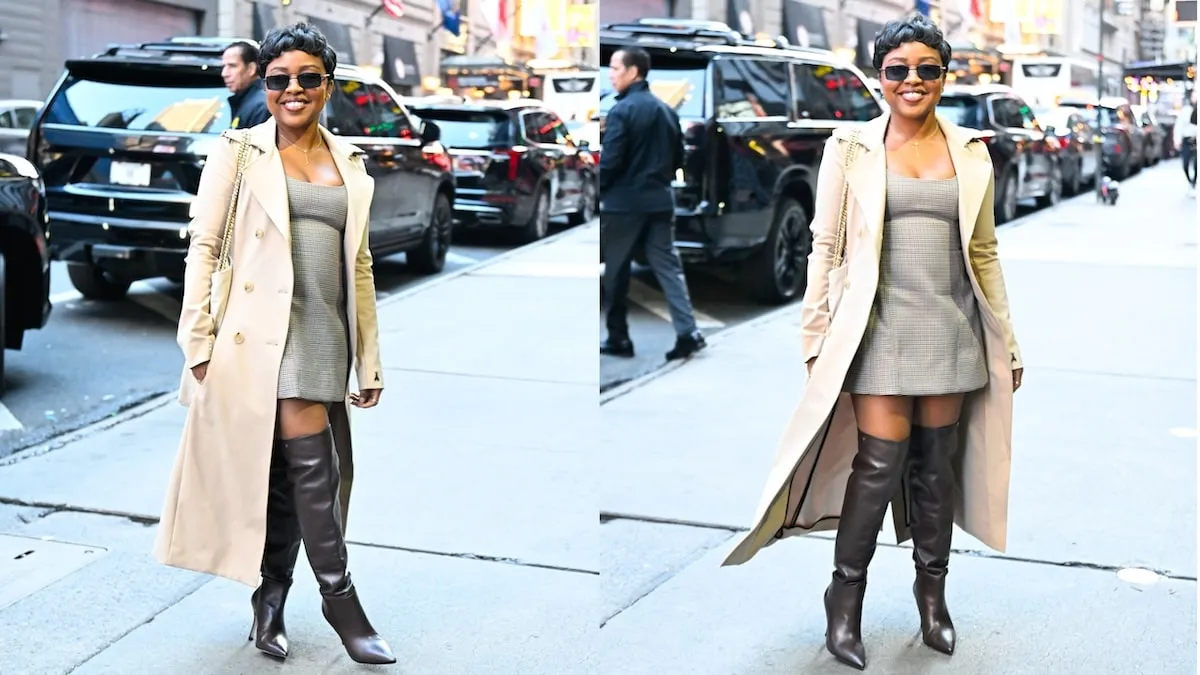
679	28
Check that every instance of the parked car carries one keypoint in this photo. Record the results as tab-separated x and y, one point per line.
1155	136
16	118
1123	152
123	138
755	118
1025	160
1077	142
24	256
516	165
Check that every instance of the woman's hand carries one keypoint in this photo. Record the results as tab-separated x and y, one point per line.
199	371
1017	373
367	398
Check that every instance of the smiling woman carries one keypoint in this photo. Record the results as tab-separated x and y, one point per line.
265	461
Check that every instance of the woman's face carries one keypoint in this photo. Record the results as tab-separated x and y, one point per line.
297	88
921	75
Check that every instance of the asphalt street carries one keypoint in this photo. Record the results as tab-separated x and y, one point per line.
719	305
1099	572
95	359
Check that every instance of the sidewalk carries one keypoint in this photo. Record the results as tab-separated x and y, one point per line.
1103	478
472	522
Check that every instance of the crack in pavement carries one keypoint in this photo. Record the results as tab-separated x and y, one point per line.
607	516
53	507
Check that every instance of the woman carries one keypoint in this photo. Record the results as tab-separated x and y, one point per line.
266	379
1184	138
910	350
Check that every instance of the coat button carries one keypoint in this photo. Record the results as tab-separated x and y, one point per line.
258	234
249	286
238	338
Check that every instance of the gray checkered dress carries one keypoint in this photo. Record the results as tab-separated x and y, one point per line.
316	356
924	336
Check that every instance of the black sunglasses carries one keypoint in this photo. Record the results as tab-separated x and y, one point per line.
926	71
305	80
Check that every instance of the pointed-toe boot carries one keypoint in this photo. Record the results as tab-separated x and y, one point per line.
280	550
931	477
313	471
874	478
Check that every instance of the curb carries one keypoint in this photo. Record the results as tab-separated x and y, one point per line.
59	441
471	269
639	382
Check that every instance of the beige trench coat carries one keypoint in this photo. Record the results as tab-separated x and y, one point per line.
214	518
807	483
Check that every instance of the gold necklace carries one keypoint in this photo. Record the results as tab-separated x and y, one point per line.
319	143
917	144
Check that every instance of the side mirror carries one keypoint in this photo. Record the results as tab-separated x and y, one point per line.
430	132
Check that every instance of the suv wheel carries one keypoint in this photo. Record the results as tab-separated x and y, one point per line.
1054	190
430	256
778	271
94	283
1006	205
587	203
539	223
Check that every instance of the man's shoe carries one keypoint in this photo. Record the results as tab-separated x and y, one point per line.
622	347
686	345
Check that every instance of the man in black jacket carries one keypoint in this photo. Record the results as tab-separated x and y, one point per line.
643	147
239	70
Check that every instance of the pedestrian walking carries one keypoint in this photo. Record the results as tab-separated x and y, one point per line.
1184	136
279	303
239	70
911	353
643	147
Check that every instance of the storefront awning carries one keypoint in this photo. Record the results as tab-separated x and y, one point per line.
264	20
1178	70
400	64
865	53
805	25
338	35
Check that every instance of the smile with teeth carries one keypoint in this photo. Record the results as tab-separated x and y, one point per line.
912	96
294	105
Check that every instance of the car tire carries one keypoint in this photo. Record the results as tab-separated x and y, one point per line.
777	273
539	221
430	256
587	203
3	318
1054	191
1006	200
94	283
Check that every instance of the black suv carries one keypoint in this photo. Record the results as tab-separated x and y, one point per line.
24	257
755	119
515	164
122	141
1025	159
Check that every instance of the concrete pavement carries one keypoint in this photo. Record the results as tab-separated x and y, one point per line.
473	519
1103	478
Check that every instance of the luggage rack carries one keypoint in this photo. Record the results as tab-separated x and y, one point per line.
705	32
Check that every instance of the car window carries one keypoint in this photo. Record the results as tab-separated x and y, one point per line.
961	110
1006	112
814	100
678	79
1028	121
24	117
752	88
859	104
393	122
539	127
562	135
470	129
116	99
351	112
6	120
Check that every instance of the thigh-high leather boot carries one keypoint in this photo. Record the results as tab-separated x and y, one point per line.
280	550
931	476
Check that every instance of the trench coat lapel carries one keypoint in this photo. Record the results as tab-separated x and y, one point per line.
973	166
266	180
866	174
359	191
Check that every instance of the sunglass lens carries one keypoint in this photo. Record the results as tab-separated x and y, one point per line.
929	73
310	80
277	82
896	73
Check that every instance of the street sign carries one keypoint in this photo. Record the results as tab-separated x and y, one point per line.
1183	12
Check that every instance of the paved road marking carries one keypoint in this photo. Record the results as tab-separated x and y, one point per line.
653	301
9	421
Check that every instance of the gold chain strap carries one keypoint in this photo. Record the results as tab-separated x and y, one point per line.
839	246
223	259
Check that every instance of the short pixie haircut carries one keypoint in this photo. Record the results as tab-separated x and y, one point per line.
302	37
914	28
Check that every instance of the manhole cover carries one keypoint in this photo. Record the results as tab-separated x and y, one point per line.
28	564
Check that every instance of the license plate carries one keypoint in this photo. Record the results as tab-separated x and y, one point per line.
470	163
130	173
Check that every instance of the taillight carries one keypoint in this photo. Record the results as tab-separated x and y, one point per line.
514	155
437	156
